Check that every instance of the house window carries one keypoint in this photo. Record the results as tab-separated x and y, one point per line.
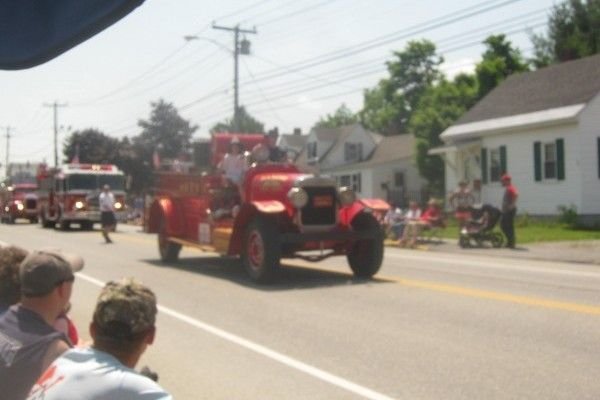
352	181
549	160
495	165
353	151
311	150
399	179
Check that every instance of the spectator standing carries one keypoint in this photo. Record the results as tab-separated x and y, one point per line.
28	342
123	326
394	220
107	212
461	201
509	210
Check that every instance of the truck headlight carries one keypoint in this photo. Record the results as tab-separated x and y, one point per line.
20	206
298	197
347	196
118	205
7	208
78	205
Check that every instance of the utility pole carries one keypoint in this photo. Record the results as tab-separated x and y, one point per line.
55	106
238	48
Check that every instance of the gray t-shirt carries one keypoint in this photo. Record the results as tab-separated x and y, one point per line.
94	375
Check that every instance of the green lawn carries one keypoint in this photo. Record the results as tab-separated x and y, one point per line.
528	231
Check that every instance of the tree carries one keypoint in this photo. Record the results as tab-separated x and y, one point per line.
573	32
91	146
165	130
247	124
388	107
499	61
438	108
342	116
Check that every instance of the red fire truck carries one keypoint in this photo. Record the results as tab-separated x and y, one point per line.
281	212
19	201
70	193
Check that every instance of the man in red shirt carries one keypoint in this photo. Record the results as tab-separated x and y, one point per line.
509	209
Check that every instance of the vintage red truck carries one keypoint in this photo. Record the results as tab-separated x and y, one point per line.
19	201
69	194
283	212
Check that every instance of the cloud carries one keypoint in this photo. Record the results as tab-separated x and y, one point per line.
463	65
306	103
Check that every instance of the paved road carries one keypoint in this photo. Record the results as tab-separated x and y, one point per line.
433	325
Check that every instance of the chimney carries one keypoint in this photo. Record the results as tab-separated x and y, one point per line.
298	131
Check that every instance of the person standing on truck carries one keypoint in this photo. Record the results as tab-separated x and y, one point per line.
276	153
107	212
233	164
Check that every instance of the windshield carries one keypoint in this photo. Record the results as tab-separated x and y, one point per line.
95	182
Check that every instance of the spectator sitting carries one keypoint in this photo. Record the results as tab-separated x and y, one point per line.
411	219
10	285
394	221
122	327
29	343
10	289
432	216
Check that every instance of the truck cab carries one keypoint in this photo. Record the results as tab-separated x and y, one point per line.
19	202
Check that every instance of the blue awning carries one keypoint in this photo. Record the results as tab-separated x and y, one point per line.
35	31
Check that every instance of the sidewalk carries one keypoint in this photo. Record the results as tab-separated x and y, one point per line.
583	251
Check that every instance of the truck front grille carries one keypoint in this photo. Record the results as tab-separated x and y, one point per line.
31	204
321	207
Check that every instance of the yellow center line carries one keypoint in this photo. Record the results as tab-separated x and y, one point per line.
444	288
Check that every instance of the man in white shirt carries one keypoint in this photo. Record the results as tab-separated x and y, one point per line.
233	165
107	212
123	326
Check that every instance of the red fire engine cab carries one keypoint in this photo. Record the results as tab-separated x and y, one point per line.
281	212
19	201
69	194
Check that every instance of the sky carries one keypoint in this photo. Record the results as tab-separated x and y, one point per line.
307	58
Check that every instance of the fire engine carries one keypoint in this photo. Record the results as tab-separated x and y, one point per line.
19	200
69	194
281	212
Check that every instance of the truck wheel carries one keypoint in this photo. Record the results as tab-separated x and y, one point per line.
169	251
33	220
86	226
63	224
261	251
366	255
45	222
11	219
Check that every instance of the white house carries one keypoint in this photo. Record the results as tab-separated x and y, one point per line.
373	165
541	127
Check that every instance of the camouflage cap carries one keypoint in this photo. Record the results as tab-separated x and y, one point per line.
125	309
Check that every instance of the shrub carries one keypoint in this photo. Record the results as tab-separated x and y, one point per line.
568	215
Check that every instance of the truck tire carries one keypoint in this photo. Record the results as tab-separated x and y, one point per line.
63	224
366	255
169	251
33	220
45	222
86	225
261	251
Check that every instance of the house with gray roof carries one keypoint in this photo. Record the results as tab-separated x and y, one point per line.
541	127
375	166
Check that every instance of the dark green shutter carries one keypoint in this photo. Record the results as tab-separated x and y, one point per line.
484	167
503	169
537	161
560	159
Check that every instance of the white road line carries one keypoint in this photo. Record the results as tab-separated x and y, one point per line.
262	350
495	265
